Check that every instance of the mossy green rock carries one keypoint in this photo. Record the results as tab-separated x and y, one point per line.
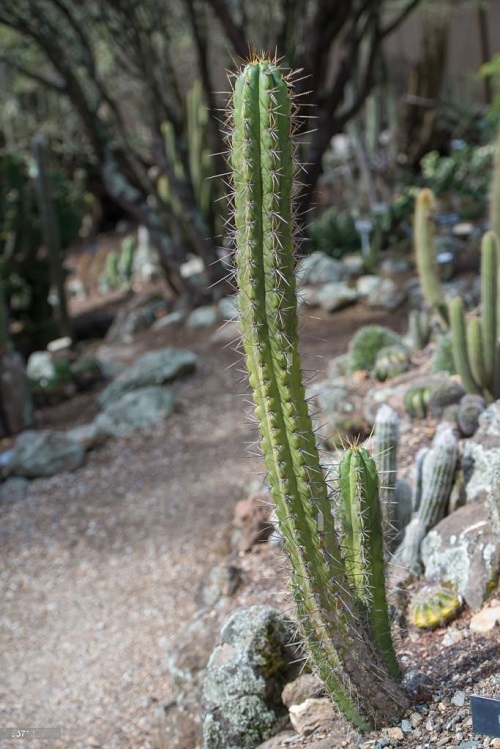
246	673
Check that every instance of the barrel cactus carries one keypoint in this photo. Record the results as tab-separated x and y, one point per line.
344	620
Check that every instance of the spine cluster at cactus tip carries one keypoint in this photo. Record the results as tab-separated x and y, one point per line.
336	564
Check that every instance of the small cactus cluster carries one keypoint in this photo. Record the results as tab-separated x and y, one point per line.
395	495
416	401
475	341
336	563
435	471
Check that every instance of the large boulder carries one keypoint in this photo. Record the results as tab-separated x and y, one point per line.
481	465
153	369
44	453
463	550
246	673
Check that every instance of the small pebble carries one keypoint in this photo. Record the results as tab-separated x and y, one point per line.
458	699
406	726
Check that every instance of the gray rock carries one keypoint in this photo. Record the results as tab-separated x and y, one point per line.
139	314
154	368
367	284
14	489
203	317
134	410
88	435
40	366
320	268
45	453
228	308
481	457
245	677
335	405
174	318
392	265
336	295
462	549
386	295
222	581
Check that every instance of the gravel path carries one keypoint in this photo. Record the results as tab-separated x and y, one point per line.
100	567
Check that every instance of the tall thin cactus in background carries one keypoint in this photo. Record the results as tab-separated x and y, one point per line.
425	253
495	194
476	349
337	575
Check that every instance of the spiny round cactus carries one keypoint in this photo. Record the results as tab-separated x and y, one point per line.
391	361
434	606
470	409
366	344
416	401
443	392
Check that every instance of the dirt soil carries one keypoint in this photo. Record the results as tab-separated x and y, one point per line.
101	568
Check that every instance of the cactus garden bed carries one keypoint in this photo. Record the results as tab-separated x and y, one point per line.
104	568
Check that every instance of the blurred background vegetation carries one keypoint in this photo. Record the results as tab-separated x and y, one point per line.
123	100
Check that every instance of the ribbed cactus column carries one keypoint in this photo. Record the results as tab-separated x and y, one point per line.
425	254
332	617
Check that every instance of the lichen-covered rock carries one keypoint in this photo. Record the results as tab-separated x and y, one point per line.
154	368
462	550
335	295
247	671
481	456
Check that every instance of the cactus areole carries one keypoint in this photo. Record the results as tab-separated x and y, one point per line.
361	676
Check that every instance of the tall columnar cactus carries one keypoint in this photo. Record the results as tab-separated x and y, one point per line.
425	254
495	194
386	451
358	669
435	473
475	342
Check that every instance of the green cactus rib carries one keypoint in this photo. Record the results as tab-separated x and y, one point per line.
489	304
386	449
363	540
425	254
330	614
459	345
476	351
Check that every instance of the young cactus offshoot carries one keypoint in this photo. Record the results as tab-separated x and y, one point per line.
345	624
